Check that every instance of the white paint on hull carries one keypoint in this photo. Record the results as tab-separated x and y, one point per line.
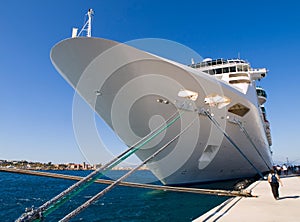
123	84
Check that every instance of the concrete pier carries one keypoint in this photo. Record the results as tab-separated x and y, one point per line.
261	208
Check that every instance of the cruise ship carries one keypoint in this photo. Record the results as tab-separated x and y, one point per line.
222	131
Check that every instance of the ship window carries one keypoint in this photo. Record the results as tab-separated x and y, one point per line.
214	62
218	71
261	93
239	109
232	69
245	68
219	61
211	72
239	68
225	70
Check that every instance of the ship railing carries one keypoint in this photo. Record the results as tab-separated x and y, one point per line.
258	70
218	62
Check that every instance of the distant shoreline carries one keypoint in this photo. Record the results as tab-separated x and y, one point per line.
25	165
115	168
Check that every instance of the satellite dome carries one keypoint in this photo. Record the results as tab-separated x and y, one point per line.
207	59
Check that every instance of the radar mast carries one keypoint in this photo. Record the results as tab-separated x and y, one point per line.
87	26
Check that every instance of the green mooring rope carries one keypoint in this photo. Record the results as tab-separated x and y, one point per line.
59	203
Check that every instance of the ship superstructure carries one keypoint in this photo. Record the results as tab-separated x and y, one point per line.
240	75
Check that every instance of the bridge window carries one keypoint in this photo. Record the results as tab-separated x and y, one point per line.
239	68
219	61
211	72
232	69
225	70
261	93
218	71
245	68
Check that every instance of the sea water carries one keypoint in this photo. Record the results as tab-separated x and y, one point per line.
19	191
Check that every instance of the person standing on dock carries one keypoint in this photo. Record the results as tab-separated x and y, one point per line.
274	181
285	169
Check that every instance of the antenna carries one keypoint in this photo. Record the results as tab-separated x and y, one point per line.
192	60
89	23
87	26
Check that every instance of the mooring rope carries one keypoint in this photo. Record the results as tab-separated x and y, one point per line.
215	122
107	189
89	182
131	184
61	198
249	138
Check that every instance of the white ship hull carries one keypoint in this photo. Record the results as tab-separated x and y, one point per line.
123	85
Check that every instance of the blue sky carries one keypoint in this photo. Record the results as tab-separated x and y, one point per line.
36	103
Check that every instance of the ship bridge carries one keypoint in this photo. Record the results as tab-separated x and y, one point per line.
236	72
